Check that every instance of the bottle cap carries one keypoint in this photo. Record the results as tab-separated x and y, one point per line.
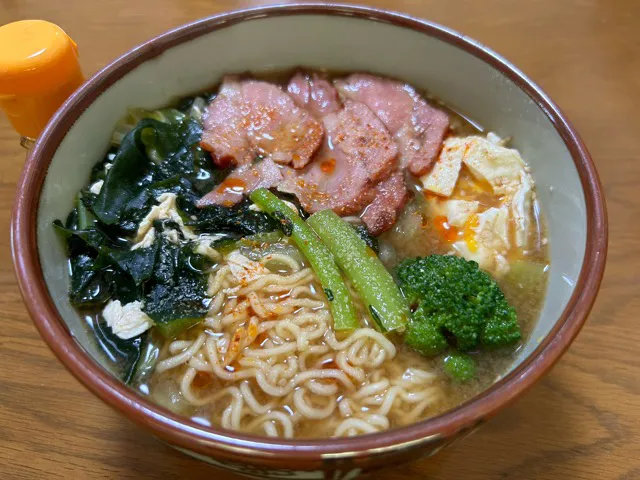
39	69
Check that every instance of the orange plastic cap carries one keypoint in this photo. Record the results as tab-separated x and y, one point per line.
39	69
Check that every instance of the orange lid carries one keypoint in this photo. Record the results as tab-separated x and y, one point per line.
39	69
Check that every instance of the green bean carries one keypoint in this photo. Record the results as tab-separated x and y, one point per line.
361	265
323	264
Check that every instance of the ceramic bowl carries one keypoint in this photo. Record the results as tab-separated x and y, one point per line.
469	77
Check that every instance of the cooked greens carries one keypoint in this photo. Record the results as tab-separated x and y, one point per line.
344	313
153	158
457	306
238	220
209	288
459	366
125	354
158	152
125	180
362	266
175	297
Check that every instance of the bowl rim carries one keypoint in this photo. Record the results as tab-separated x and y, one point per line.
222	443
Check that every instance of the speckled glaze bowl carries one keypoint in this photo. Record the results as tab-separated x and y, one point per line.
464	74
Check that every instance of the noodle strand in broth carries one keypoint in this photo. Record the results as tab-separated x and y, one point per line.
274	365
208	301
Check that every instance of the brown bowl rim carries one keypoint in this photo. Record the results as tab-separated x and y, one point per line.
255	449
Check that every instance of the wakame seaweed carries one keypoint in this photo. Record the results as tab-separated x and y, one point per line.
101	266
158	153
88	287
176	294
153	158
239	220
139	264
370	240
126	354
128	176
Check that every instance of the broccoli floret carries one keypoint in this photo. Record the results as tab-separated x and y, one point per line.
460	366
424	336
455	304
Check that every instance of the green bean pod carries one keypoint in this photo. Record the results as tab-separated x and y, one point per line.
323	264
362	266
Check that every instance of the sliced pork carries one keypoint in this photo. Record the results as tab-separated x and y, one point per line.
357	153
250	118
418	127
314	93
391	196
354	172
243	180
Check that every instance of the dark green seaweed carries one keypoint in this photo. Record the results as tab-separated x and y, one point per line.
154	157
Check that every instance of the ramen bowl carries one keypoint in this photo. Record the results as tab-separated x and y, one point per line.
465	75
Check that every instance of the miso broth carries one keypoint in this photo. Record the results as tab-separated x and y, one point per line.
260	353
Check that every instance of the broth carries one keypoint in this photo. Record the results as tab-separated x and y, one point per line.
414	235
189	388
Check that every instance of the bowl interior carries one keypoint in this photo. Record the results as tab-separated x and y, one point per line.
460	79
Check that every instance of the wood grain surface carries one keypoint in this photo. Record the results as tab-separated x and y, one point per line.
581	422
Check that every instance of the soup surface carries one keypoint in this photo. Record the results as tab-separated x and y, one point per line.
194	259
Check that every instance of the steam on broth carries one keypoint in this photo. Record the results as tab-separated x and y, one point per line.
209	265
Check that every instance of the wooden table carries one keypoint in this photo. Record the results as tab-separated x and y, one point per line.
580	422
